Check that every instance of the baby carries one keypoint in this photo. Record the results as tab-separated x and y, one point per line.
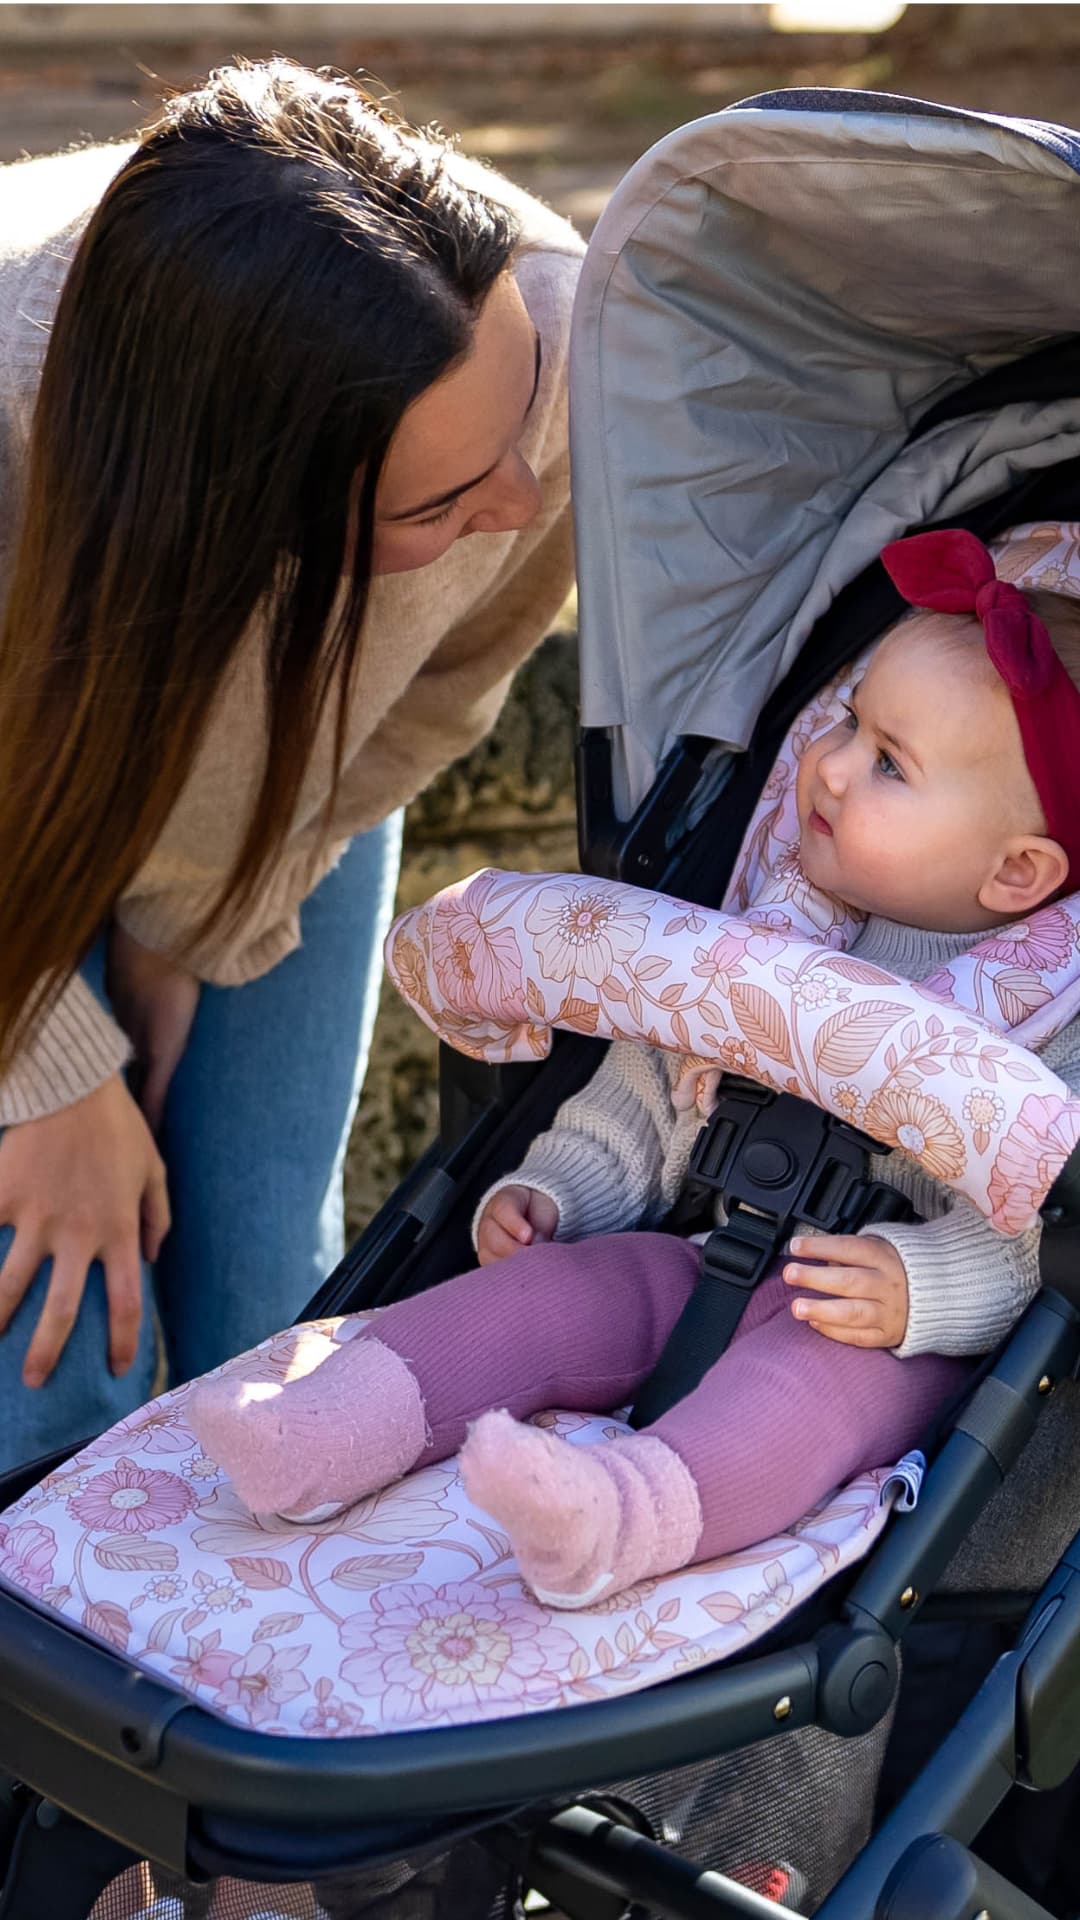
943	805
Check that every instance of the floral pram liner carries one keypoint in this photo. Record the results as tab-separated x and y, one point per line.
408	1611
405	1612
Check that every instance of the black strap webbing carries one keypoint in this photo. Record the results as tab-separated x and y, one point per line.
700	1335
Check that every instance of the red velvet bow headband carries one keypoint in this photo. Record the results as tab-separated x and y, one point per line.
952	572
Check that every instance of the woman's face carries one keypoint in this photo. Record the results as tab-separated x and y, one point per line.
454	467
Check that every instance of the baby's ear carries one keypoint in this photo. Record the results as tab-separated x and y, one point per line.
1028	873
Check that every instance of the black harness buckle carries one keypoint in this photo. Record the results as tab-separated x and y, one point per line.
765	1163
770	1161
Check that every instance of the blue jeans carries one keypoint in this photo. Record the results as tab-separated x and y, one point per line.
254	1136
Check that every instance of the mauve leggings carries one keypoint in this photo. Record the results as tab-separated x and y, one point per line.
784	1416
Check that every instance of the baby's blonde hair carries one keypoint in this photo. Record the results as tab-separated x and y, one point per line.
1060	613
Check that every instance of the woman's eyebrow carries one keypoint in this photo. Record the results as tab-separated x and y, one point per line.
444	499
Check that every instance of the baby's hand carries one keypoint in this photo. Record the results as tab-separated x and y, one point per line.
869	1278
515	1217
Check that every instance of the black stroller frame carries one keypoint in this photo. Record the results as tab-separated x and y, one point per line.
108	1765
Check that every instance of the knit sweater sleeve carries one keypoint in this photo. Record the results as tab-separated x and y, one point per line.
603	1159
967	1284
72	1051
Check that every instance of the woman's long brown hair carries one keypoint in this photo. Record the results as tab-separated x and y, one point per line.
276	272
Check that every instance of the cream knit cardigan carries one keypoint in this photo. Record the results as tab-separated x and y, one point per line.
440	645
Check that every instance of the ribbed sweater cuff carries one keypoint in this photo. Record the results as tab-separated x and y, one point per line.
959	1300
579	1184
72	1052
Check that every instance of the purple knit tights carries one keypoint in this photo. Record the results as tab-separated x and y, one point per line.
784	1416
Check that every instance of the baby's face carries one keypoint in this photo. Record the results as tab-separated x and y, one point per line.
911	801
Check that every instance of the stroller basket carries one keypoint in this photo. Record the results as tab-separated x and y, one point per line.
951	394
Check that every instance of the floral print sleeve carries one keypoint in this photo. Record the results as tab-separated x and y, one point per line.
967	1284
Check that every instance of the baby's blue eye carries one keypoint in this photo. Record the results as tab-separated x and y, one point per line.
887	765
851	718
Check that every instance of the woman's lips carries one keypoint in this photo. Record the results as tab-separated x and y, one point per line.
818	824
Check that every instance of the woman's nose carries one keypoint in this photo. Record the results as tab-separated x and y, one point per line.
512	497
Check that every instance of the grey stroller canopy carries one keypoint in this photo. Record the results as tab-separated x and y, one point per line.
772	299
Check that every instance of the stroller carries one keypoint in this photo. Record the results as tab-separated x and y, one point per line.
776	368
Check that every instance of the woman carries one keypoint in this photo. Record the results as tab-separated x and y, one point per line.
296	352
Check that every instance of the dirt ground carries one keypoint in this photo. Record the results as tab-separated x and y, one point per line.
567	116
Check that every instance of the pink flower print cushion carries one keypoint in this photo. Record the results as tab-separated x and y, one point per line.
538	951
406	1611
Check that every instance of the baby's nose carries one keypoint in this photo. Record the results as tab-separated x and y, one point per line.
833	770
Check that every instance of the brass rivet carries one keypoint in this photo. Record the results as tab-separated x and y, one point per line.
909	1596
782	1708
1046	1385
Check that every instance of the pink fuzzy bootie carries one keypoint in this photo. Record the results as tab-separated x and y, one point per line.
584	1522
305	1448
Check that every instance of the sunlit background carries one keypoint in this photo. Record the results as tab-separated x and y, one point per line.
843	16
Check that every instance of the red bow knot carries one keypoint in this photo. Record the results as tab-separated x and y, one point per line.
952	572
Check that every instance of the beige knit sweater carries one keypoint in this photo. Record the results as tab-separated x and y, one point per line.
617	1153
440	645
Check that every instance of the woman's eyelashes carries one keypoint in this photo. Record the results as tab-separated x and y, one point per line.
439	519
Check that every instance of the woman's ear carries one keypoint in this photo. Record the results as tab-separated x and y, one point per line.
1027	874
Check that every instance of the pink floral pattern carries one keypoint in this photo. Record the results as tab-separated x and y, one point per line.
435	1650
132	1499
1030	1155
406	1611
779	1006
27	1553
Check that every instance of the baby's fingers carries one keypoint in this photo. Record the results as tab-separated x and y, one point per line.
839	1249
507	1210
855	1323
830	1279
494	1243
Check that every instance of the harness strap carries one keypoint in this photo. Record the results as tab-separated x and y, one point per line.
765	1163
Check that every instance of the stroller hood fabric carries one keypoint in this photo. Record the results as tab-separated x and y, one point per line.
771	300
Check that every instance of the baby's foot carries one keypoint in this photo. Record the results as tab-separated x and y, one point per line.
305	1448
584	1522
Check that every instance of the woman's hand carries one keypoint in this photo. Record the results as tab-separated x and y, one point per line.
83	1184
154	1001
515	1217
869	1280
